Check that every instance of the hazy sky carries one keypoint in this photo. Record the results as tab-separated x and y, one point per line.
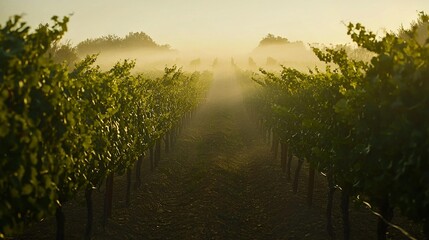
214	25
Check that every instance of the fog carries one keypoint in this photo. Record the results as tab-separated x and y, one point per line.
209	30
270	57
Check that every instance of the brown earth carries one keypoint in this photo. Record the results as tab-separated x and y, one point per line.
220	182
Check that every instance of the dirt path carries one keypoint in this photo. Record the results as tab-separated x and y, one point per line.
207	189
220	182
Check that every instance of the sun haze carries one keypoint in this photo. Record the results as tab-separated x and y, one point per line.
218	27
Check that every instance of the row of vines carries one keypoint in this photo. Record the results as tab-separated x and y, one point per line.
364	125
68	130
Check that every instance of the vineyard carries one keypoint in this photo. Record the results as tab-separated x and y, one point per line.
237	142
362	124
65	131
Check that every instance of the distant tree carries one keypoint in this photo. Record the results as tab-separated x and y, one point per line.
270	39
421	28
195	63
233	62
138	40
97	45
271	61
215	62
360	54
113	42
252	63
63	53
355	53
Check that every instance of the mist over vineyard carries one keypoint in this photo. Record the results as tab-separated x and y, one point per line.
108	131
271	52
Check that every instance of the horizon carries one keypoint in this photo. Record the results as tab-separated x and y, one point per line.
218	27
